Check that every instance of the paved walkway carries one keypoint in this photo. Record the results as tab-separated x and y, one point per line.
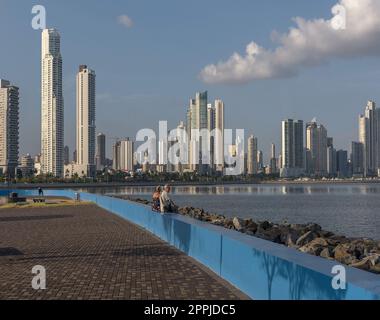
89	253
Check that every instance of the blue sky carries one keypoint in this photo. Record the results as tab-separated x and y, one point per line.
149	71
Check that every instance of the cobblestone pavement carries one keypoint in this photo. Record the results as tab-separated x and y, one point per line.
89	253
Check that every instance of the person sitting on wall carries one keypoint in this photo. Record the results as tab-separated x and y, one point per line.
156	199
167	204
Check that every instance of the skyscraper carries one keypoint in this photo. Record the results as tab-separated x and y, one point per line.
342	163
100	151
357	158
331	161
292	154
9	127
252	156
27	166
215	125
52	109
182	147
116	156
368	136
273	160
198	121
85	117
127	155
211	127
219	138
66	155
316	144
260	161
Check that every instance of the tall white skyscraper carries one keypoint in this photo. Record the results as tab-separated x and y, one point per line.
252	155
85	117
182	140
197	120
9	127
368	136
52	108
215	125
219	138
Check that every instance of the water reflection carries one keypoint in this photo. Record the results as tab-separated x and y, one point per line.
347	209
248	189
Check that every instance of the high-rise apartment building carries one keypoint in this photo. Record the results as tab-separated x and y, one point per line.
342	163
316	144
219	137
9	127
85	119
197	120
369	137
357	158
27	166
292	155
215	126
52	108
116	156
127	155
331	161
100	151
66	155
252	156
273	160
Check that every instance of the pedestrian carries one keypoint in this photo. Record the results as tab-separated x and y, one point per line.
156	199
167	204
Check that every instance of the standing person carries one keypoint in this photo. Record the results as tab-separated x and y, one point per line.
167	204
156	199
40	192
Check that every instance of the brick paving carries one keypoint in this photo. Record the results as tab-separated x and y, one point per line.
89	253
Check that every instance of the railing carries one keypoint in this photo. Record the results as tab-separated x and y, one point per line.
259	268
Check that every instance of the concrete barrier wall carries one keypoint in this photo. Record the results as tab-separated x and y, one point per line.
261	269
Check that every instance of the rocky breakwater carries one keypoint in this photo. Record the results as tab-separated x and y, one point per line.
309	238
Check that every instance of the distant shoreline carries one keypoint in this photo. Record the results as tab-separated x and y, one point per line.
187	183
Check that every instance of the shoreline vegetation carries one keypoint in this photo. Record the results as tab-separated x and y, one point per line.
310	238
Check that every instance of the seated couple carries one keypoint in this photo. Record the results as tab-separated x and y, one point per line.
162	201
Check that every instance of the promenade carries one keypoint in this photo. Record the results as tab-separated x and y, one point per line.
90	253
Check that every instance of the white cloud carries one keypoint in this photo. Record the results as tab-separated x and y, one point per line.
352	32
125	21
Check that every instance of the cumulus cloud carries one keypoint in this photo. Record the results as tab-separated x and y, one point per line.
125	20
353	31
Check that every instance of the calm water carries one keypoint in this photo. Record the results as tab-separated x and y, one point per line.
352	210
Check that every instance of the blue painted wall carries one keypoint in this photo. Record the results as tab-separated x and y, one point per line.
261	269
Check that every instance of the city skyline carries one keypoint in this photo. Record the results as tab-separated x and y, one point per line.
303	97
317	157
